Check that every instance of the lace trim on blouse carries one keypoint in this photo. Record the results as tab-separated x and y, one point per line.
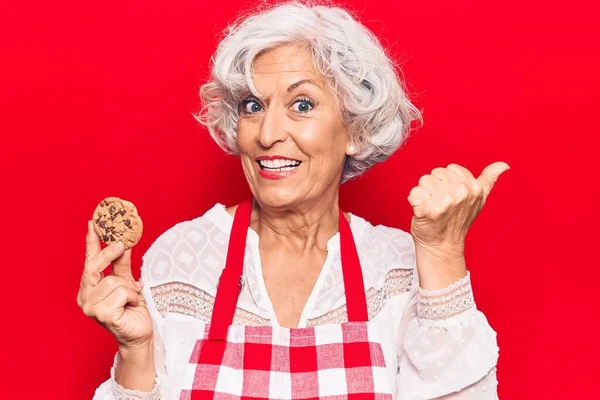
446	302
396	281
186	299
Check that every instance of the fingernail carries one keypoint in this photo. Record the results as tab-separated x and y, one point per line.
90	226
139	284
119	246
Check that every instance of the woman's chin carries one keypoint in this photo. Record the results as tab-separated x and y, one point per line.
277	197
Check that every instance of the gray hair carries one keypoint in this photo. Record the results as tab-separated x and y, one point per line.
371	97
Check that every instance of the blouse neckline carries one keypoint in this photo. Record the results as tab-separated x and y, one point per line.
224	221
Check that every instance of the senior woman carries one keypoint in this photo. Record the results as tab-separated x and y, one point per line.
285	296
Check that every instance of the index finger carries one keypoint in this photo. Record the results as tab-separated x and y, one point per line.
91	277
98	259
460	170
92	242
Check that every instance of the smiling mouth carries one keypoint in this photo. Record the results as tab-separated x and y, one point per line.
279	165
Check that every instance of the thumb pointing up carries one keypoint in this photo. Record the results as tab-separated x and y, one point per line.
490	175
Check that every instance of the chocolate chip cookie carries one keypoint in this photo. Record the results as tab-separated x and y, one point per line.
115	220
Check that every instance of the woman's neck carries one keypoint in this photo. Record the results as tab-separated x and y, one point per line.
299	229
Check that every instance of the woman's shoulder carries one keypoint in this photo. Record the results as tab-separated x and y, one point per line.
388	241
188	247
387	254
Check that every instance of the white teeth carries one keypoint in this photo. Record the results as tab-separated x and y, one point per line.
279	164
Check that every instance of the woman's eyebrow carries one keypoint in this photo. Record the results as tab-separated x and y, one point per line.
246	94
301	82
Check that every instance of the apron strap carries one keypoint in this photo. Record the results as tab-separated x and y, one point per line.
356	301
228	288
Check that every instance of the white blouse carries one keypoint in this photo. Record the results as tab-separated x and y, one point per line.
436	343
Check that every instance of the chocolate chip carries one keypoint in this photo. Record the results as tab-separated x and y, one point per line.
127	222
98	220
113	217
102	224
122	212
112	238
112	209
105	238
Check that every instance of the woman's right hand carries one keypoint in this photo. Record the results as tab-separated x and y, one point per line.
115	301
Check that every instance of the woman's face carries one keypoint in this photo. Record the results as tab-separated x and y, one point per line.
292	140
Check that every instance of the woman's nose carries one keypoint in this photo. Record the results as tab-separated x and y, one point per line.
272	129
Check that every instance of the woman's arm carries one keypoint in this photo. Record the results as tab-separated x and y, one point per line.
446	344
135	368
446	347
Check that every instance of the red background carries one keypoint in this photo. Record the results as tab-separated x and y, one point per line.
96	100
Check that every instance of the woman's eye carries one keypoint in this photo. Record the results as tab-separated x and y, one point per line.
251	107
303	105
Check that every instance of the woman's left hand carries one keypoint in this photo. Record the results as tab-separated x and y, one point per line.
445	204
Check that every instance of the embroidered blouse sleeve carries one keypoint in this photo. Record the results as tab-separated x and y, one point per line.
446	348
110	389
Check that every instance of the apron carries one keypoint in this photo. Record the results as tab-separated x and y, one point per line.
333	362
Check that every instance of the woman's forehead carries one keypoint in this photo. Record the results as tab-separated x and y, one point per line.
286	60
284	69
